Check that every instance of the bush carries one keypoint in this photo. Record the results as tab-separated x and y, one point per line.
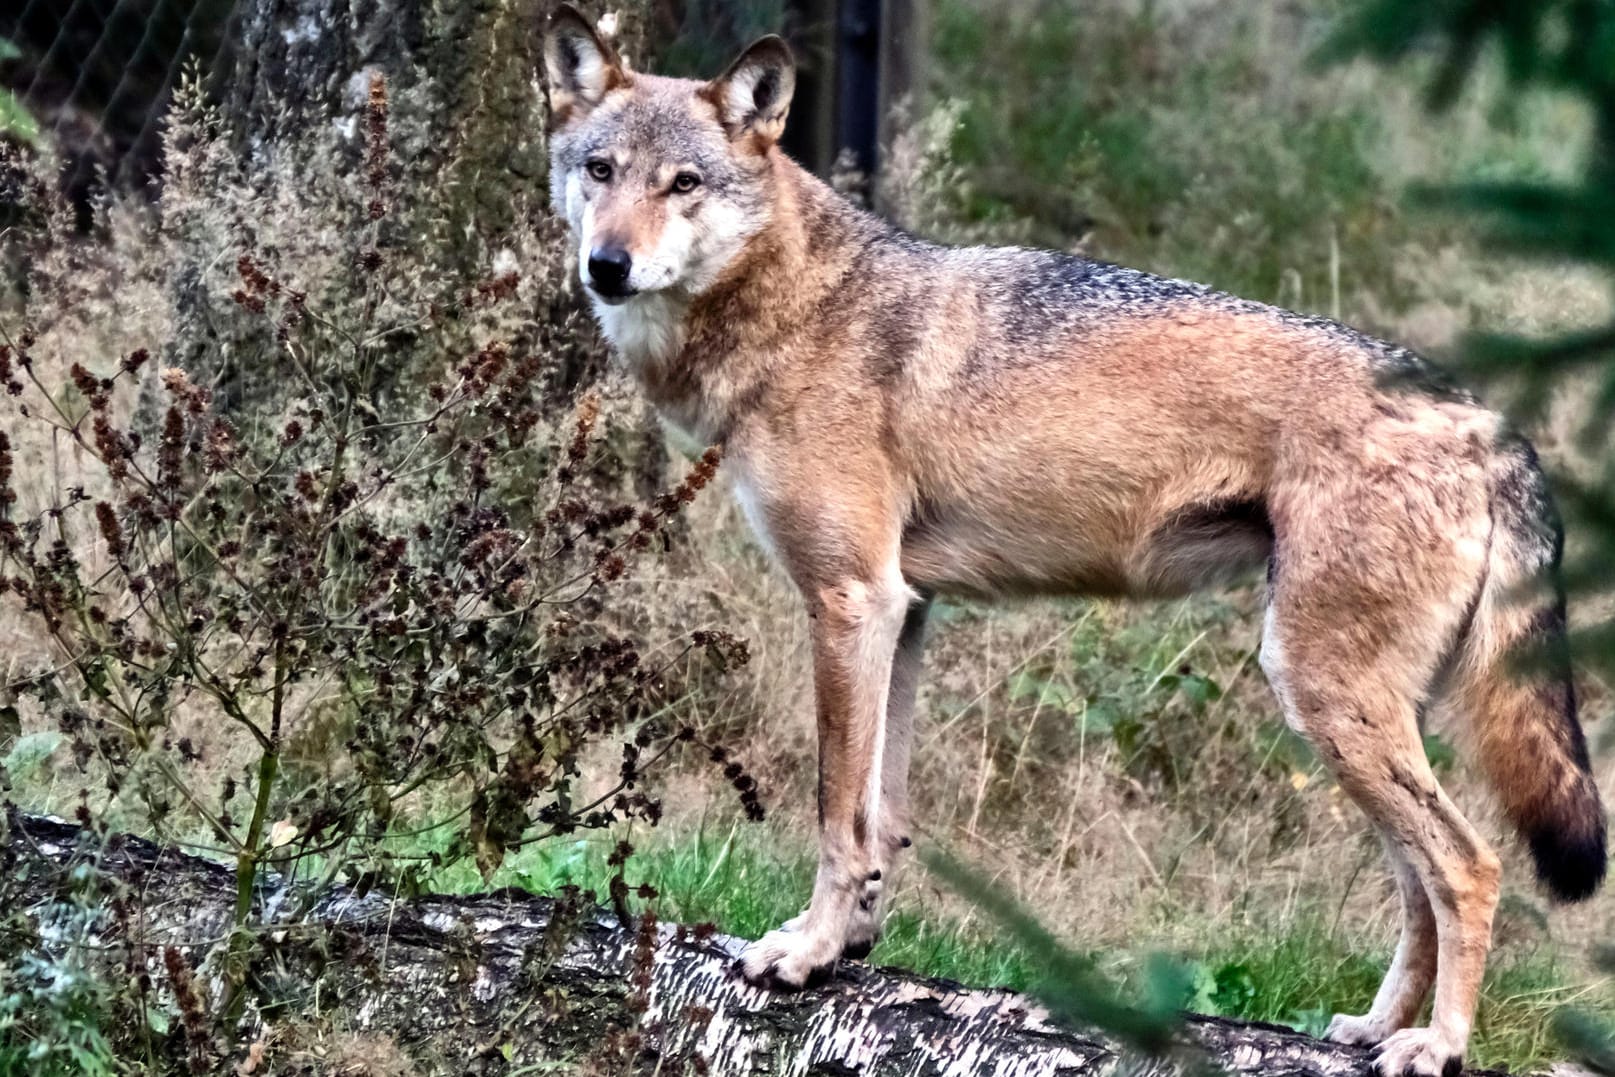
359	578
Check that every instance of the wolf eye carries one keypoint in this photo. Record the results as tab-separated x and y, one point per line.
685	182
599	170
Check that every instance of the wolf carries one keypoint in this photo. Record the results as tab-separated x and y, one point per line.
904	420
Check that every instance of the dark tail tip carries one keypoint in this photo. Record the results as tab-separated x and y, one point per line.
1570	861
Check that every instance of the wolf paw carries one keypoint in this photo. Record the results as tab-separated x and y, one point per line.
789	960
1364	1031
863	931
863	925
1418	1052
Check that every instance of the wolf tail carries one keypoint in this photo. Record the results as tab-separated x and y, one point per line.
1512	677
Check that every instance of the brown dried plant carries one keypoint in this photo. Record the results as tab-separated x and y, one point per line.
375	587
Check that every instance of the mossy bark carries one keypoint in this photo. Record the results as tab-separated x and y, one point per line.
465	191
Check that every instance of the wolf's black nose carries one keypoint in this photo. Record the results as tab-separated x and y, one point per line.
608	270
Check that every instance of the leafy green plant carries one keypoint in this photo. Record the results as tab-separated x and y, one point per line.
16	121
1137	689
55	1002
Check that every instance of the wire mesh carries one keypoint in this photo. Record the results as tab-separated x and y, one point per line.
94	77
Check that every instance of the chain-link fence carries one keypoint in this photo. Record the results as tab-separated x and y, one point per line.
93	77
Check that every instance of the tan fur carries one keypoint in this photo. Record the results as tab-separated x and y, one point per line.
905	420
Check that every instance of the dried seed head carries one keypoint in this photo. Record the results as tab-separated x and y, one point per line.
376	138
111	533
7	495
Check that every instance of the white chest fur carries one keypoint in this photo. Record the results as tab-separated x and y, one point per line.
646	328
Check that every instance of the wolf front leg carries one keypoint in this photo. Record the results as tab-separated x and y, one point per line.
856	623
893	820
1413	968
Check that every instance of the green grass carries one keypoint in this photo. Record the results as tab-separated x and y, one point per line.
734	876
1297	970
1304	974
747	879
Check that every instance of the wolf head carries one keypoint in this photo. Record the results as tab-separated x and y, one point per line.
662	180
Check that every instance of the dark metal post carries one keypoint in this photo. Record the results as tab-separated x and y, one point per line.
858	26
858	61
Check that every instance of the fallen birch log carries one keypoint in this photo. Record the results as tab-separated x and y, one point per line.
492	982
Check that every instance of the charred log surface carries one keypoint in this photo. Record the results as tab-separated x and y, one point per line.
492	982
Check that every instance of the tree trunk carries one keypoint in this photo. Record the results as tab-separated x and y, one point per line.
467	152
493	982
461	77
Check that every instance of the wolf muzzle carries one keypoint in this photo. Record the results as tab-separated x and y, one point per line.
608	272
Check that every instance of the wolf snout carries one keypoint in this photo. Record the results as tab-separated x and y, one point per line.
608	271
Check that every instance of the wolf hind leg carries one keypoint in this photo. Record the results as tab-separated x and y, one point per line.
1380	553
1364	726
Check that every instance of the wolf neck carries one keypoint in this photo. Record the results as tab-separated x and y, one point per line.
728	339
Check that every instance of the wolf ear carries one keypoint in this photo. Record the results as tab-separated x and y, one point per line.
580	68
754	95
